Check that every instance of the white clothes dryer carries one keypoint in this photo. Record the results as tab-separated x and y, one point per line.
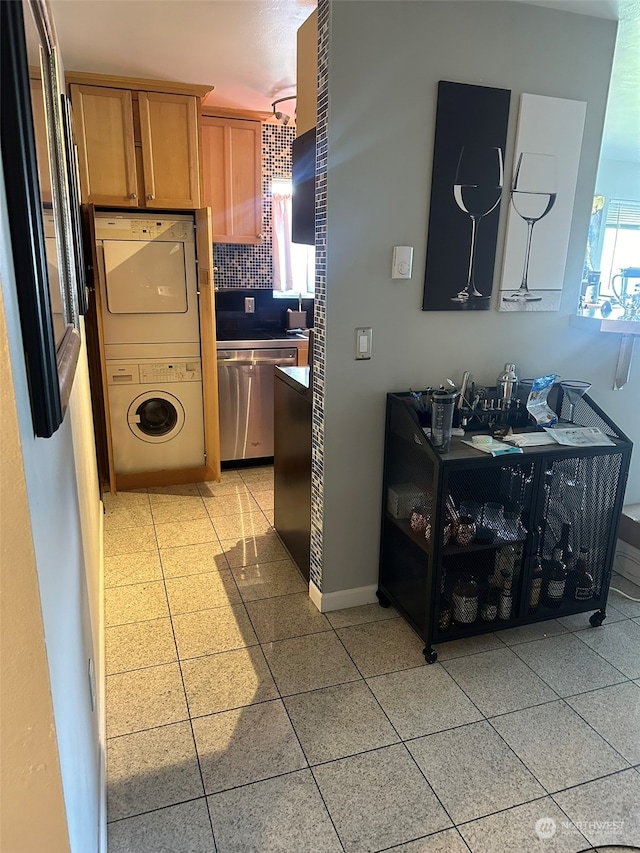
156	413
148	280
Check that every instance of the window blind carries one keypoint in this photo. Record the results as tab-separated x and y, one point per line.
623	214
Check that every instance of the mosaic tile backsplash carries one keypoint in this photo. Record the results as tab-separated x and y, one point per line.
252	266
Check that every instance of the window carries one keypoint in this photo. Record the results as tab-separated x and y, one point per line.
620	244
293	263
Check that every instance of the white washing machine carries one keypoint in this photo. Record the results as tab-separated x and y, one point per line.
156	412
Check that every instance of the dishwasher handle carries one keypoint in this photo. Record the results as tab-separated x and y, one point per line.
231	357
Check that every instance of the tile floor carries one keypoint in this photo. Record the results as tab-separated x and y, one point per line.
241	719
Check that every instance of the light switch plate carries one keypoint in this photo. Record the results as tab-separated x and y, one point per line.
363	343
249	305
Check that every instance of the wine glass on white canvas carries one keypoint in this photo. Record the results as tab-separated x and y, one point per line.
533	194
477	189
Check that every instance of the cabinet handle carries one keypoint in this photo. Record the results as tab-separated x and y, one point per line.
151	197
259	236
132	195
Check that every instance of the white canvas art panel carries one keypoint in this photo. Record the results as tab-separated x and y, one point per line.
541	197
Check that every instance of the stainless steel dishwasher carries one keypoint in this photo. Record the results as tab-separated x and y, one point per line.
245	392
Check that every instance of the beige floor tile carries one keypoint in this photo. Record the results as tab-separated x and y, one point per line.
138	645
338	721
246	745
308	663
121	499
129	514
449	841
483	777
151	769
269	515
202	591
174	534
469	646
264	498
284	814
225	487
619	644
521	830
269	579
227	680
220	506
135	603
207	632
266	548
190	509
184	828
132	568
422	700
379	799
144	699
193	559
242	526
359	615
286	616
614	712
160	494
129	540
380	647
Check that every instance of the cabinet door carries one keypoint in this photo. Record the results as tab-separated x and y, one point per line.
231	178
169	135
106	150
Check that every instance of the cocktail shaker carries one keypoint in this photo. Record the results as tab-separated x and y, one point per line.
442	404
507	384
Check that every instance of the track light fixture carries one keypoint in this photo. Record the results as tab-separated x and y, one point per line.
283	118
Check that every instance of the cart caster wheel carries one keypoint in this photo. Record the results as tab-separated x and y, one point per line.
383	601
430	655
596	619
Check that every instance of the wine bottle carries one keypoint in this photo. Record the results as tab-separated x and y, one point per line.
536	585
564	543
506	598
584	582
556	579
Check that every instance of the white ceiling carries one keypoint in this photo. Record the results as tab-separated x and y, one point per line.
247	49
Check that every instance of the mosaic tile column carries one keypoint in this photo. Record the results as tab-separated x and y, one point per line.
317	463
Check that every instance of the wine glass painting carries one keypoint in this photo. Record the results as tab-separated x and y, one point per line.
467	181
541	197
533	194
477	190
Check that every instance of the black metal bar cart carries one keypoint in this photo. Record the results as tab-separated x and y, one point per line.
470	542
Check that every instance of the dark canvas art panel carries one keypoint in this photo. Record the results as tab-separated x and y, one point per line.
466	190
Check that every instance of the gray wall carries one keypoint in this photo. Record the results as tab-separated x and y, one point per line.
384	64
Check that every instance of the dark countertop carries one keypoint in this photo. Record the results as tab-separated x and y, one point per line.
296	378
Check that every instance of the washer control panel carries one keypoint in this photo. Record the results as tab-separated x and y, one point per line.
170	371
153	372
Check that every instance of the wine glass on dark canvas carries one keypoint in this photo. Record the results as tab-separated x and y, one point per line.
533	194
574	389
477	189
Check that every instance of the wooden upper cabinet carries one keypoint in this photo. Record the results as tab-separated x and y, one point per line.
106	145
232	178
169	134
137	149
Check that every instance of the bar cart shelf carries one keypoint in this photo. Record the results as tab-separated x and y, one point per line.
453	578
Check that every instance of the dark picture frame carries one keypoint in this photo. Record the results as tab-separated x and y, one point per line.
50	353
467	185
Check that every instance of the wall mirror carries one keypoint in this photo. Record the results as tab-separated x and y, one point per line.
36	165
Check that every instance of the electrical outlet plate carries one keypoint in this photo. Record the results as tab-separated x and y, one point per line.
249	305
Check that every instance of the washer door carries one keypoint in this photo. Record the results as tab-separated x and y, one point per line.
155	416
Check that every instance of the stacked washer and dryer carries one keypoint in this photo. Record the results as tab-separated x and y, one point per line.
151	334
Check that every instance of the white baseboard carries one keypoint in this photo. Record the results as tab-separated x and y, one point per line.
343	598
627	561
